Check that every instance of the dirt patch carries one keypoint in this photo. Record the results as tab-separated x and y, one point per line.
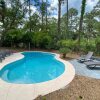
81	88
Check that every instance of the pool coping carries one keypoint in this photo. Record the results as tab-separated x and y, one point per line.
12	91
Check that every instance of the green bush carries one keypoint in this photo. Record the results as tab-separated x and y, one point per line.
70	44
13	37
42	40
90	47
87	45
97	42
64	51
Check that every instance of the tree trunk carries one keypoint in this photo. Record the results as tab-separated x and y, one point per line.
3	7
2	13
30	22
46	14
80	29
30	16
59	20
42	14
81	20
71	25
67	15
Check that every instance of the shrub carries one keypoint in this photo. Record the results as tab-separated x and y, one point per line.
87	45
64	51
13	37
42	40
90	47
70	44
97	41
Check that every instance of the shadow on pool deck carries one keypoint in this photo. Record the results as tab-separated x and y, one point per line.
81	69
94	68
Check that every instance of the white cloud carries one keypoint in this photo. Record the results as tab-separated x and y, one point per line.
55	16
72	3
90	4
33	10
53	9
54	3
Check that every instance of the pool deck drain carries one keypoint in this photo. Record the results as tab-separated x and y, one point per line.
10	91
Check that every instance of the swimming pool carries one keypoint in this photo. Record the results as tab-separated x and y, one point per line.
35	67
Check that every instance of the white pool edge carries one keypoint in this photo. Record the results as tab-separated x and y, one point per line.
31	91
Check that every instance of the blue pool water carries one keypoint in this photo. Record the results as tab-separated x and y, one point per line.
35	67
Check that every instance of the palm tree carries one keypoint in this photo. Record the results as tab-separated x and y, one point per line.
81	19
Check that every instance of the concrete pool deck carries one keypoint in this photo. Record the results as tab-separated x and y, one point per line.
9	91
81	69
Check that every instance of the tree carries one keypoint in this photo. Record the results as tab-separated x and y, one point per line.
32	21
81	20
72	14
89	25
46	12
67	15
34	24
96	13
96	10
29	14
72	23
42	8
59	17
11	17
2	11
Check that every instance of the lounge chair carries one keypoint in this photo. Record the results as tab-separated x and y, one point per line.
86	57
3	55
92	64
0	58
8	52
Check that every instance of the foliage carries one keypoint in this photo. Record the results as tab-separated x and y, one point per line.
12	37
72	12
21	25
64	51
42	40
81	20
27	37
98	45
71	44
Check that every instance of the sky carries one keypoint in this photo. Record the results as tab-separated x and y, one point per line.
75	4
72	3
